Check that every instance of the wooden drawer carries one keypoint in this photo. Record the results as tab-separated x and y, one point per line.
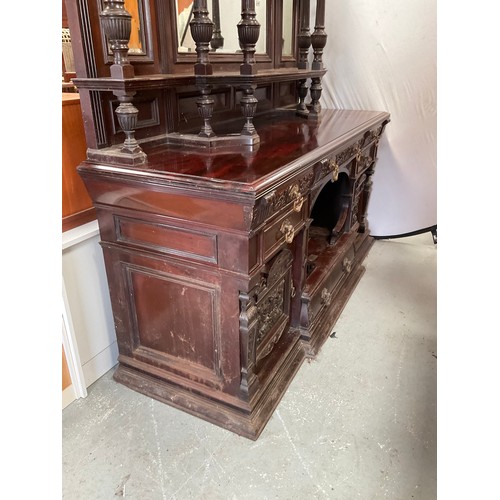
322	294
364	159
283	229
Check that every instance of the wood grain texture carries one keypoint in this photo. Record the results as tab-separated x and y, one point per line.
219	287
77	205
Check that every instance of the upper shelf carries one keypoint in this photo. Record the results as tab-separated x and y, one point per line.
174	80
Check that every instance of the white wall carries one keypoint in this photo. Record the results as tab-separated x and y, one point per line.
382	56
87	315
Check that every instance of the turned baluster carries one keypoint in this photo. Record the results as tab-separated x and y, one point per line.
303	42
217	41
248	35
318	42
127	114
202	29
304	36
248	107
117	25
302	93
205	105
319	36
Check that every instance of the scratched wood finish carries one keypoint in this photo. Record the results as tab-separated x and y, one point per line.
220	285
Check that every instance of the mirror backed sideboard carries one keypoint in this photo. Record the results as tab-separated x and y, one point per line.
232	208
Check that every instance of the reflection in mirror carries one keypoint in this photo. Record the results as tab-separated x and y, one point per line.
287	47
135	43
226	14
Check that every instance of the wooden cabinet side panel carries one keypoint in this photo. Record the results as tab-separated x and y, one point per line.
77	207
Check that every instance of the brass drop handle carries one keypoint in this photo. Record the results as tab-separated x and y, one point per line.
334	169
296	195
288	230
326	297
347	265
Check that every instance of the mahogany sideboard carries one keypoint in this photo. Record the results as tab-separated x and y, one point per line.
227	269
231	207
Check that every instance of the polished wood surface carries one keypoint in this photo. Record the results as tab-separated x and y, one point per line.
287	141
219	285
227	265
77	205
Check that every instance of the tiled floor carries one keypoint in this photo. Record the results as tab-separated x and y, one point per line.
357	422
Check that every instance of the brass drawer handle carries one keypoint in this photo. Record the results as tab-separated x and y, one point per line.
347	265
334	169
296	195
326	297
287	230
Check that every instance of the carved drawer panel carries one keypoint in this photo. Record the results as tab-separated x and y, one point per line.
364	159
282	230
323	293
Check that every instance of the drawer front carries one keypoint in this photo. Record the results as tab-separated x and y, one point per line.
167	239
325	293
364	159
282	230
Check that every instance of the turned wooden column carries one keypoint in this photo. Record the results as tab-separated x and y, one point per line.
248	35
318	42
205	105
303	42
202	29
304	36
217	41
319	36
117	25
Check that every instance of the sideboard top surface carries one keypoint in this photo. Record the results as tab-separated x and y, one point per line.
288	144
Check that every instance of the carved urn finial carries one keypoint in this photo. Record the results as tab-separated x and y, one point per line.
117	26
248	35
202	29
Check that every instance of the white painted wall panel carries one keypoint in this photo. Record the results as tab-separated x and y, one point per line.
87	298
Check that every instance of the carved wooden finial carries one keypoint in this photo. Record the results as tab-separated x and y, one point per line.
248	35
217	41
304	35
319	36
202	29
117	25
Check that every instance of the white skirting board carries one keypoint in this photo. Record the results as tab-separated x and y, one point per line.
89	337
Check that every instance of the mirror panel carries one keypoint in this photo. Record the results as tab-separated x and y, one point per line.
227	21
135	43
287	39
